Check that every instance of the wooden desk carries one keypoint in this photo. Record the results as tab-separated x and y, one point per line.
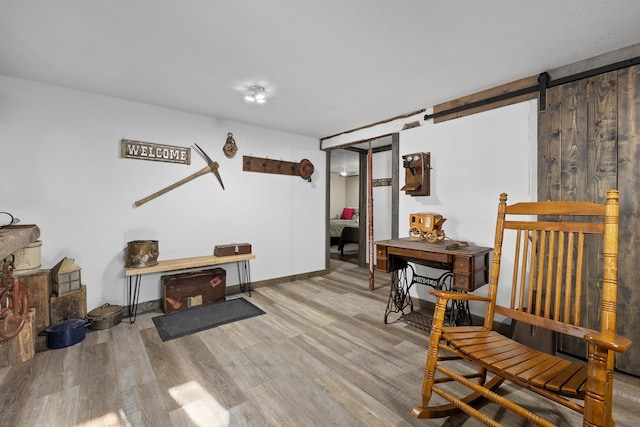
135	273
466	268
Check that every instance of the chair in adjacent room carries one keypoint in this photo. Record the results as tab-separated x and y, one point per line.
349	236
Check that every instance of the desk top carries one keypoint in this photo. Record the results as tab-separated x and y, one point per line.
441	247
184	263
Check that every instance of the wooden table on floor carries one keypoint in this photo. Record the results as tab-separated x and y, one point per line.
135	273
466	268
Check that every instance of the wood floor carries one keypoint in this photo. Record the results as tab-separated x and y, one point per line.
320	356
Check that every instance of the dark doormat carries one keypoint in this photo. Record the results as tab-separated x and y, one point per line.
202	317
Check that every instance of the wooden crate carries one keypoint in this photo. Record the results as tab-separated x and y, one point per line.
70	305
185	290
38	287
21	347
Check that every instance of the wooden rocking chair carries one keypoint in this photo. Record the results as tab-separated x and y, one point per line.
548	273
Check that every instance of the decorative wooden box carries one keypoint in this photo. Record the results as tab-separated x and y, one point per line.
232	249
185	290
417	174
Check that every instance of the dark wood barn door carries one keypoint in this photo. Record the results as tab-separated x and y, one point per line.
589	142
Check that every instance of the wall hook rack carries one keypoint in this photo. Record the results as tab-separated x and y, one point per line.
303	169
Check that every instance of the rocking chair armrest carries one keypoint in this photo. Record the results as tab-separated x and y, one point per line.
610	341
457	295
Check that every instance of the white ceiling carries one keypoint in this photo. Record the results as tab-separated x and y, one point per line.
328	66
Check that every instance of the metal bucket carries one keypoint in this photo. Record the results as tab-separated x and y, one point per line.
142	253
27	259
106	316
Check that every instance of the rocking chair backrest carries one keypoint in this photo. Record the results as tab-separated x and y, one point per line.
555	245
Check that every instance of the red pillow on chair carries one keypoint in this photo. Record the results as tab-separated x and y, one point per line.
347	213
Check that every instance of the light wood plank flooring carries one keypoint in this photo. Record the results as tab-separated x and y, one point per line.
320	356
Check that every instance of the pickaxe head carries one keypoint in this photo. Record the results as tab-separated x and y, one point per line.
212	164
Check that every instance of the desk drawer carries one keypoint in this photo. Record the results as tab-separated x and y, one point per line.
382	261
470	272
463	264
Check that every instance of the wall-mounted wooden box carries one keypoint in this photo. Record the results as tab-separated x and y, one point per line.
417	175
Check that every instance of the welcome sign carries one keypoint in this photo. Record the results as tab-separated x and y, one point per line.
156	152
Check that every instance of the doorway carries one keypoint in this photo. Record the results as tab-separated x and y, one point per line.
348	169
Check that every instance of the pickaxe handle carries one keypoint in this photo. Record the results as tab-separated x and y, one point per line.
203	171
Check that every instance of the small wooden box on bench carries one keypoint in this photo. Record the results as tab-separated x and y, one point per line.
232	249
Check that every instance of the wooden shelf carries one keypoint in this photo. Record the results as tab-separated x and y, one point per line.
184	263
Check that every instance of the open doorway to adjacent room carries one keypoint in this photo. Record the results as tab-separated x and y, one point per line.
349	215
344	205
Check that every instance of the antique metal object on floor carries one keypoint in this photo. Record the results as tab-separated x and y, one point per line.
66	332
211	167
105	317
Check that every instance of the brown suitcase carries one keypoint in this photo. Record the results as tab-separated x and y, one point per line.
232	249
184	290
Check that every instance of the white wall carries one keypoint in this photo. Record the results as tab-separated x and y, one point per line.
474	159
61	169
381	164
352	191
338	195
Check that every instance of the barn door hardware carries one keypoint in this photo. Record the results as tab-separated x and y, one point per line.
483	102
544	83
303	169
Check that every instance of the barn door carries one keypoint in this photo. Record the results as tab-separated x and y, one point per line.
589	142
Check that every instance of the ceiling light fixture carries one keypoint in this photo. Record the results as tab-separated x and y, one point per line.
343	172
256	94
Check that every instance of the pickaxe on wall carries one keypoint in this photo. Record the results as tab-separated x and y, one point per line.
211	167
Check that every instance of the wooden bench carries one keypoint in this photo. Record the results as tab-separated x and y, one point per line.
562	253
